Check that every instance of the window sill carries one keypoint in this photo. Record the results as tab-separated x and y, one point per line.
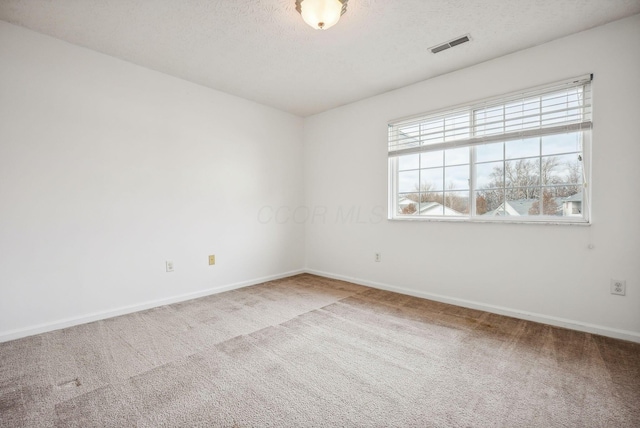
548	222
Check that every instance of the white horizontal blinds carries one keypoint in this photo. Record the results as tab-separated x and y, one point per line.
423	133
559	108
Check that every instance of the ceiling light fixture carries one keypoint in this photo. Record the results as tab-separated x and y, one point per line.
321	14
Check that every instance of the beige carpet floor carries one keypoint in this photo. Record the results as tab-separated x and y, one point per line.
307	351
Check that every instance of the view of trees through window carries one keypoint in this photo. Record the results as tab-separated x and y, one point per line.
538	176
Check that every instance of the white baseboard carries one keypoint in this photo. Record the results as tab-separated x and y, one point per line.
96	316
544	319
529	316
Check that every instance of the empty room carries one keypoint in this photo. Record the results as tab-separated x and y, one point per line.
319	213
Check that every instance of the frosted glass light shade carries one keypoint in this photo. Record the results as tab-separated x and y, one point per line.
321	14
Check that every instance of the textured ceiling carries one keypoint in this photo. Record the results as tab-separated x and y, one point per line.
263	51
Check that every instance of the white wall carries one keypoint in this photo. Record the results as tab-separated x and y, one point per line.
108	169
540	272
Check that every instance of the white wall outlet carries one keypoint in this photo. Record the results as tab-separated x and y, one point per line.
619	286
377	257
169	266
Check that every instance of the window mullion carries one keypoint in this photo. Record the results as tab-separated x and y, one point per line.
540	183
472	168
504	178
444	183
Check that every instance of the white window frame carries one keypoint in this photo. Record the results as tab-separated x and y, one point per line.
469	136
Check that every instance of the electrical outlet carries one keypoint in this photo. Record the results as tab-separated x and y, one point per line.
619	286
212	260
378	257
169	265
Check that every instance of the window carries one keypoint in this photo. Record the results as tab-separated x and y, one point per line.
520	157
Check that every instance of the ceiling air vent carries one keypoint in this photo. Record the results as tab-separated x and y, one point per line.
450	44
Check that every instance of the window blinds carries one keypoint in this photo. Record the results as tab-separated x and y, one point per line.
553	109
